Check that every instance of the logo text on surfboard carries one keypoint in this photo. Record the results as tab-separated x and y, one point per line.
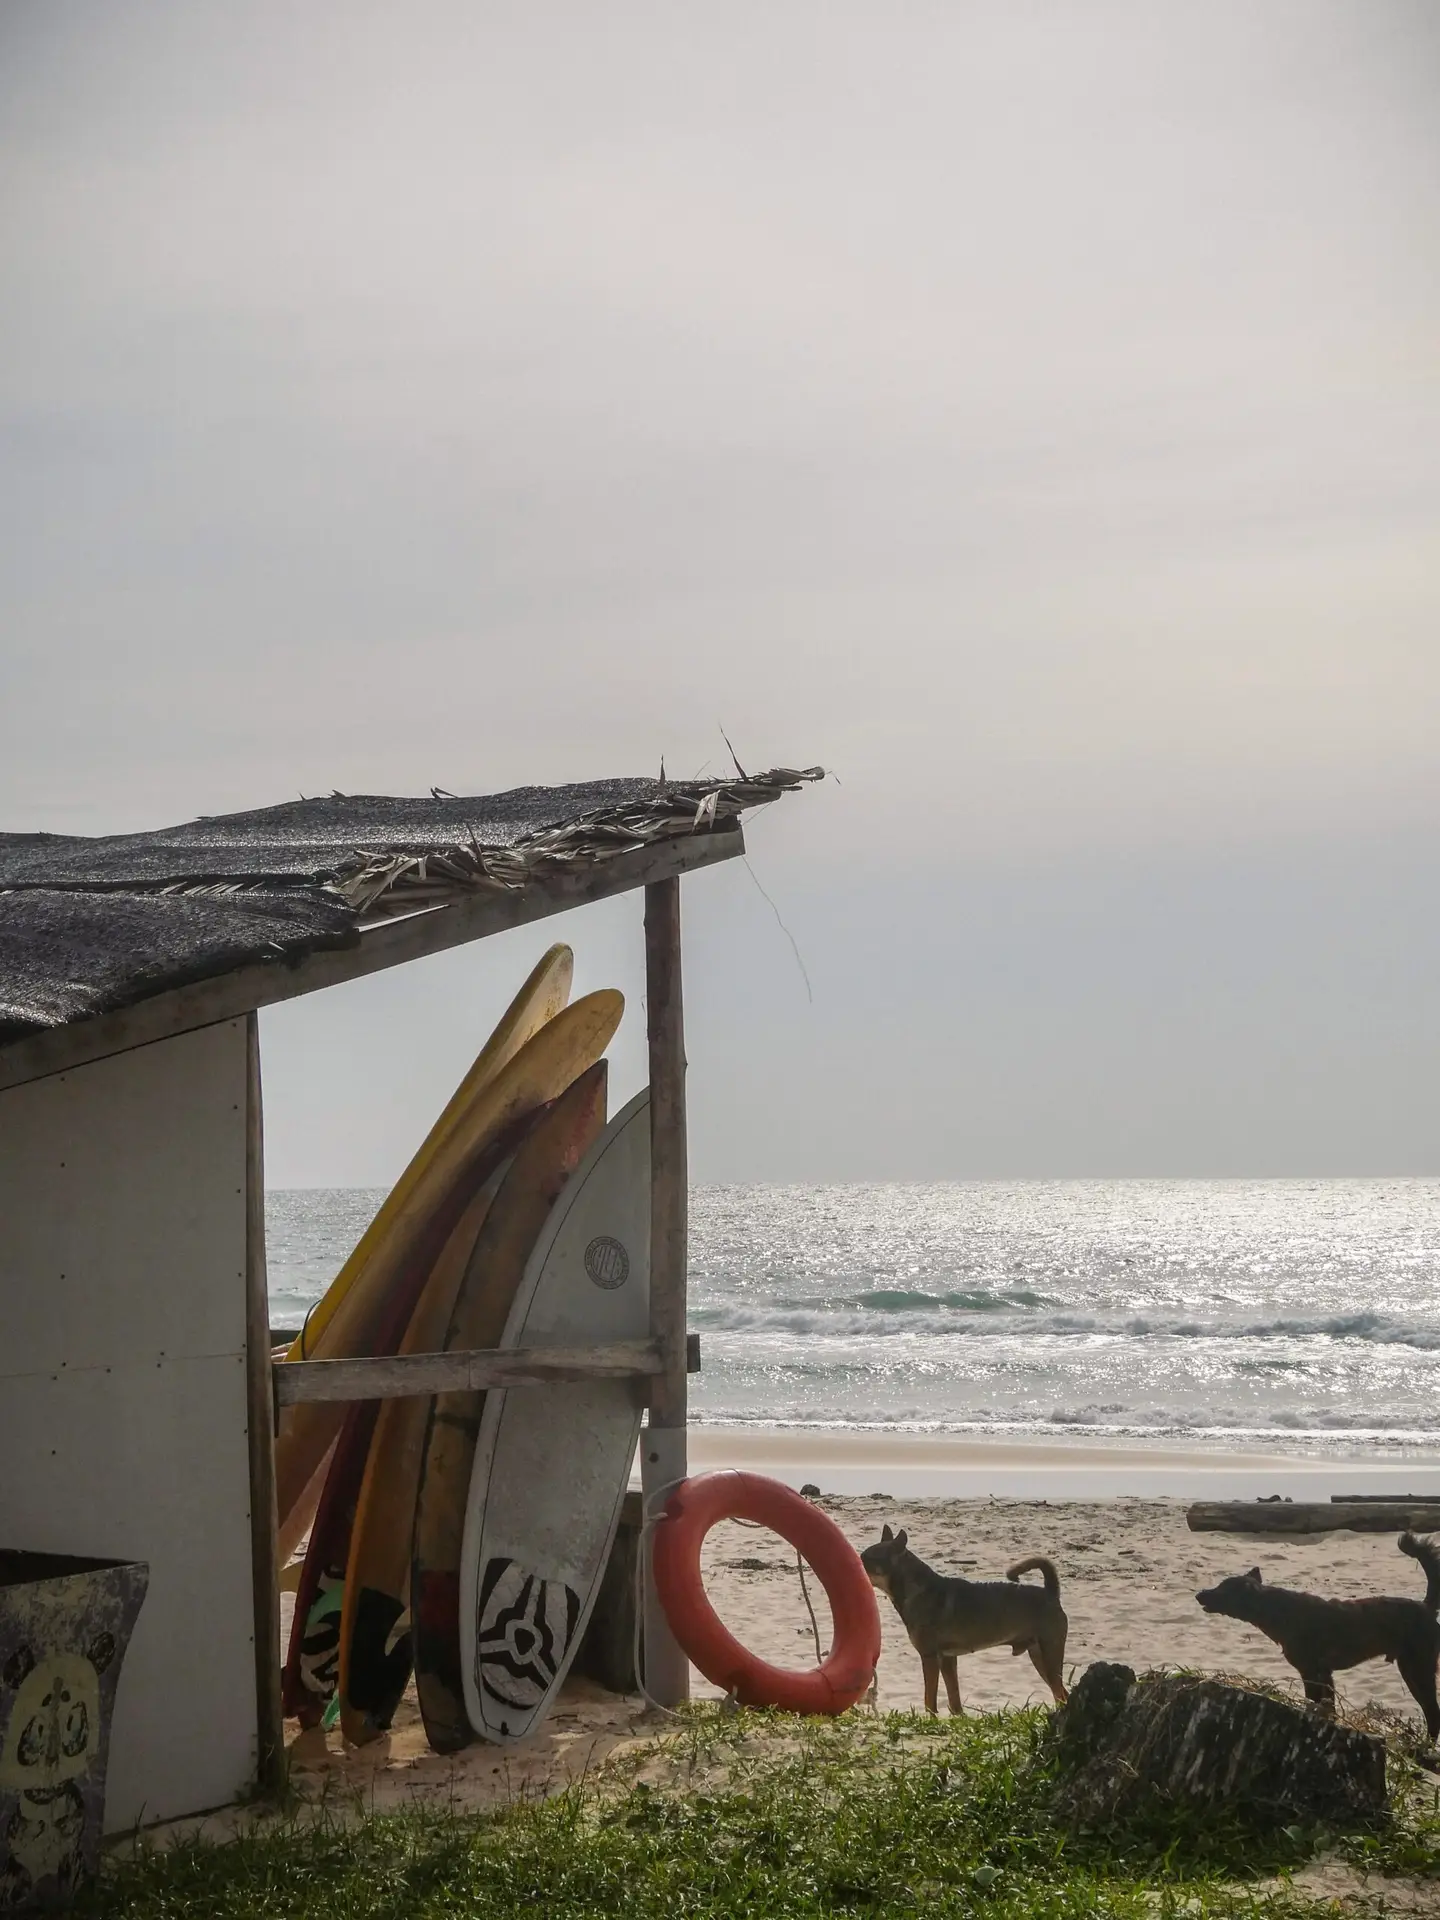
607	1262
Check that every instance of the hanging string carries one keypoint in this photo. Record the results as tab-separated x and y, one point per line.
805	1591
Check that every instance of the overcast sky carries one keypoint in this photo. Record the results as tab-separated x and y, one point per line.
1030	411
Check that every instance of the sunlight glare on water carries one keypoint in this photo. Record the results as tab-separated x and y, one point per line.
1297	1313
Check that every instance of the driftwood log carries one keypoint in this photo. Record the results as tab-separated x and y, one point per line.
1123	1746
1313	1516
1393	1499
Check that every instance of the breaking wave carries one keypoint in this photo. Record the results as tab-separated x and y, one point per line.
861	1321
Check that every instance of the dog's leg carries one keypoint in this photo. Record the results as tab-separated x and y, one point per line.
1320	1691
930	1667
1418	1673
952	1681
1048	1658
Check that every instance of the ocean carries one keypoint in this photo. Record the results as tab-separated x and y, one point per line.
1292	1316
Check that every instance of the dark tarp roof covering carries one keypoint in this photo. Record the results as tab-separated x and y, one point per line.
89	925
64	956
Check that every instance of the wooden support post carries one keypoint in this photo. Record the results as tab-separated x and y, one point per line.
663	1452
260	1414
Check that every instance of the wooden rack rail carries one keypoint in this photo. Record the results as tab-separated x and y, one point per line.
396	1377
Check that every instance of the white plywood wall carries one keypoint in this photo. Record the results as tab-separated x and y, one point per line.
122	1386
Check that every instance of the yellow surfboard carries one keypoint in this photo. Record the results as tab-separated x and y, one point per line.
544	1066
377	1574
540	999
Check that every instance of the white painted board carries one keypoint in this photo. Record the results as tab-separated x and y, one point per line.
552	1463
123	1412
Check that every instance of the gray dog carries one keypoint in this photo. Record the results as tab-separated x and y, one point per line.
945	1617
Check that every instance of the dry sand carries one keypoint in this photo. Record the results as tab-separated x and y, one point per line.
1129	1569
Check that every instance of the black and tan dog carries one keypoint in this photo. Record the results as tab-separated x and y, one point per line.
945	1617
1321	1638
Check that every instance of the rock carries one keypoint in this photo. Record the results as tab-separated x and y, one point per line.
1122	1746
1096	1702
810	1491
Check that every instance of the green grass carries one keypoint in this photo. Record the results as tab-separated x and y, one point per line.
771	1817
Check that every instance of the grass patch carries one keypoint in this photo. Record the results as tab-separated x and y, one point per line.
767	1816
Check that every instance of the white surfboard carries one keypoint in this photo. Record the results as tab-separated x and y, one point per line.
552	1463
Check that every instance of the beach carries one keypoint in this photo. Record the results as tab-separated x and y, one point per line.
1006	1369
1129	1568
1111	1519
947	1465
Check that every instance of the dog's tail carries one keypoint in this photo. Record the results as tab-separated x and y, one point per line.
1037	1563
1428	1554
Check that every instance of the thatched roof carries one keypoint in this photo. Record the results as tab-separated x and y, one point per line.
89	925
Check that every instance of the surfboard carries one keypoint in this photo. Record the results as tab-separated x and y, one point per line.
547	1063
552	1464
307	1680
340	1322
375	1654
543	994
538	1174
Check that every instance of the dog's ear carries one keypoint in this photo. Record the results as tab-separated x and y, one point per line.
885	1534
1254	1577
901	1537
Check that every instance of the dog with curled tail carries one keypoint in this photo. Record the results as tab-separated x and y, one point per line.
945	1616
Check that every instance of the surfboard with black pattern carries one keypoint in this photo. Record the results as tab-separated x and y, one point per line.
552	1463
525	1626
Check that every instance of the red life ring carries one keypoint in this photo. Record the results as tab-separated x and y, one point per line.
690	1512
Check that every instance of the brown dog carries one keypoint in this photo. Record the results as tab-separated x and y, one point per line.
945	1617
1322	1637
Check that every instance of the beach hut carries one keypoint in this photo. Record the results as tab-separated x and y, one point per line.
137	1390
